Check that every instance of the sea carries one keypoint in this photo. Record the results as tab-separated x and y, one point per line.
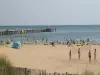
62	32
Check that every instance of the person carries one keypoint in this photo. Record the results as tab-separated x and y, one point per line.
11	40
70	55
46	40
89	55
95	55
27	39
79	54
88	40
2	42
42	39
35	41
53	44
55	29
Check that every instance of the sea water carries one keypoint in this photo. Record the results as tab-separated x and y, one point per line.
62	32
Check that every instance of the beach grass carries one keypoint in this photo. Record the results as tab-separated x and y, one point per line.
4	62
5	65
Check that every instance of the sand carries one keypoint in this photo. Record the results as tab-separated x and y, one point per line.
53	58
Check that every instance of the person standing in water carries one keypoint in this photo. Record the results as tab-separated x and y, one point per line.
70	55
55	29
79	54
46	41
89	55
95	55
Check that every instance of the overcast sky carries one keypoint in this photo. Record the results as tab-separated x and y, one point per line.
53	12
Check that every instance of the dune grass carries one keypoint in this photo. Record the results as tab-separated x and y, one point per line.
5	65
4	62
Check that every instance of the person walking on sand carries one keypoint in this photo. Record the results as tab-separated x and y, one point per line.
95	55
70	55
79	54
89	55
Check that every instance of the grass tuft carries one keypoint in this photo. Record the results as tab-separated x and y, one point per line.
4	62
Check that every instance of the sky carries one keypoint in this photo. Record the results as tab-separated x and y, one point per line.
49	12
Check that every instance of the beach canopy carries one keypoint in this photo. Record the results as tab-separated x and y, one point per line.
16	44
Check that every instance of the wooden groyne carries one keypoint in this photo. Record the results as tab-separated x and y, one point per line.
26	30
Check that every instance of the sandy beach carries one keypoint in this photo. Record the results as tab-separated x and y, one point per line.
53	58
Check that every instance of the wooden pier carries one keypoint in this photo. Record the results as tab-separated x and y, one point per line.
26	30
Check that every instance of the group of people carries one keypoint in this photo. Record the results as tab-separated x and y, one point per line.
79	55
72	41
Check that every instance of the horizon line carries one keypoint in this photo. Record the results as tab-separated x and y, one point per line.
52	25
